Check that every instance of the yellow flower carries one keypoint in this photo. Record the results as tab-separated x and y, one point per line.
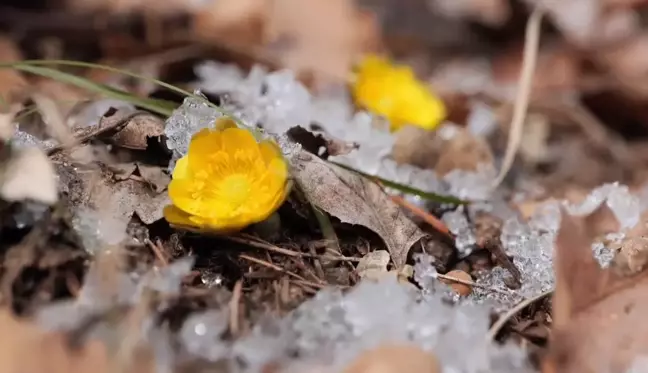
395	93
226	181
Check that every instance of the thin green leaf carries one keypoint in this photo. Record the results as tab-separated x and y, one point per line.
405	188
161	107
90	65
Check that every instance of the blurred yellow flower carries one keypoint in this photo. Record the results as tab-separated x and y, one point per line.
394	92
226	181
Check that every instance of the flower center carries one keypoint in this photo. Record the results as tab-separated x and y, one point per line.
235	188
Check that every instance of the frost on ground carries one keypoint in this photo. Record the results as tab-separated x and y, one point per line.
278	102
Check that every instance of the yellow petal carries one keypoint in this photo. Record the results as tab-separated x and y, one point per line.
236	139
223	123
181	168
181	195
203	145
175	216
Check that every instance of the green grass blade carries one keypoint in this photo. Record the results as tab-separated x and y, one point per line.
161	107
90	65
407	189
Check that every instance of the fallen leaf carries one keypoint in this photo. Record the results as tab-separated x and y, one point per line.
25	347
155	176
66	96
28	175
138	130
237	22
395	359
418	147
491	12
321	36
632	256
373	265
354	199
123	171
101	190
13	82
7	126
464	151
459	288
558	69
598	314
320	143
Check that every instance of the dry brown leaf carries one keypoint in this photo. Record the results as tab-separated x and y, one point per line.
464	151
12	81
138	130
598	315
28	175
395	359
417	147
491	12
355	200
7	126
155	176
104	191
320	36
373	265
321	144
26	348
66	96
557	70
237	22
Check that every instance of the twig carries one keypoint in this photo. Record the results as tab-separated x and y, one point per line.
279	269
159	254
525	82
86	135
470	283
255	242
429	218
234	308
499	324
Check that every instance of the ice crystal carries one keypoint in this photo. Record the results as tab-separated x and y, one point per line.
625	206
193	115
98	232
458	224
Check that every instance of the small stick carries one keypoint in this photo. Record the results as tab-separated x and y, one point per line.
525	83
499	324
470	283
255	242
157	252
429	218
87	134
234	308
279	269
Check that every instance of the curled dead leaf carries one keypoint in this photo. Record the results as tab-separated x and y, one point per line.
354	199
24	347
373	265
417	147
463	151
319	143
28	175
598	314
139	129
395	359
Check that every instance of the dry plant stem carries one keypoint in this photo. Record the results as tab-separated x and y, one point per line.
157	252
259	244
529	60
429	218
234	325
499	324
469	283
82	137
279	269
